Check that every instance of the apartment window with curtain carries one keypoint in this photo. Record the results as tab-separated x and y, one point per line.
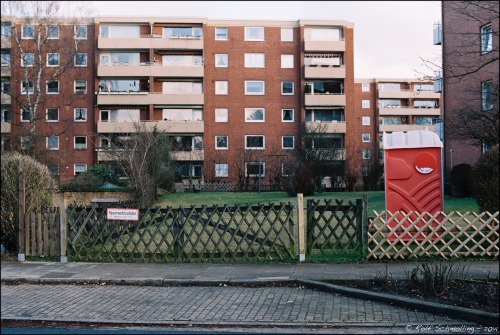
487	95
486	39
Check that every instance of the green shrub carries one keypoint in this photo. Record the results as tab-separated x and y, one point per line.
485	176
461	181
300	182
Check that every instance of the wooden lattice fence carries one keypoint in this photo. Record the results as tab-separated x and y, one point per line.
412	235
217	233
42	233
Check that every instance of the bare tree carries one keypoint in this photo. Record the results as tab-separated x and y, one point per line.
34	48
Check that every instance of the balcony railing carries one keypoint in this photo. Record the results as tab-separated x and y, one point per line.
403	110
167	126
146	98
328	99
156	69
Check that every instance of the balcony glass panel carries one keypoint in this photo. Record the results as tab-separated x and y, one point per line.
182	60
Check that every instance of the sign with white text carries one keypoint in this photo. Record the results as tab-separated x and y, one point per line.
128	214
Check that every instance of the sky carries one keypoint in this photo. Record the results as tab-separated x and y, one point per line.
390	37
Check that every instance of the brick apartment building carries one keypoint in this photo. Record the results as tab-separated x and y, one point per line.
232	95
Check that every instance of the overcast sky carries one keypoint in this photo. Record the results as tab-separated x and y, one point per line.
390	37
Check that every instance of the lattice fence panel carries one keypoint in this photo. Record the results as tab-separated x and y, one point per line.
411	235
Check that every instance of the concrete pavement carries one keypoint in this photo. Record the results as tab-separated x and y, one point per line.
229	295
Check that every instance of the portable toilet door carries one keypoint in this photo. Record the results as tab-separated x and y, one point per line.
413	178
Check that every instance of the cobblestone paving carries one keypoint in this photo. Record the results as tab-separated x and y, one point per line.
217	305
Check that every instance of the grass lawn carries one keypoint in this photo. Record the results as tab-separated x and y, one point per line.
376	200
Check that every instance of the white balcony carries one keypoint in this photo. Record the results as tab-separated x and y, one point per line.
325	100
179	127
144	98
193	43
150	70
404	127
193	155
324	46
409	111
332	127
6	99
6	127
321	72
6	71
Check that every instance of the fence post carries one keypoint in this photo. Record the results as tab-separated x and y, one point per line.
364	227
302	227
63	242
21	231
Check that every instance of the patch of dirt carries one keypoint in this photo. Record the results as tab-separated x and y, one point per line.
481	295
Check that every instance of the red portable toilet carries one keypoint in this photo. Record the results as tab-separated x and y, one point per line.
413	175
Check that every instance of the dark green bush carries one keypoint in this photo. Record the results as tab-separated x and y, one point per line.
485	176
300	182
461	181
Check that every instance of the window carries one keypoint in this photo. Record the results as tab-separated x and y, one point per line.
221	60
80	142
25	115
81	59
221	142
288	142
27	59
254	33
366	137
486	39
52	142
221	170
322	34
52	59
365	103
182	32
255	142
287	115
53	87
5	86
255	114
366	154
255	60
28	32
221	33
254	169
221	114
287	61
121	31
6	29
27	87
80	86
52	32
487	95
5	57
25	142
5	115
365	120
81	32
286	34
254	87
287	169
365	87
53	170
221	87
52	115
287	87
80	114
79	168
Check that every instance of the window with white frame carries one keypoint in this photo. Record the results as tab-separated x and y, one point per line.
254	33
221	87
81	59
365	87
52	142
366	137
5	57
221	33
365	103
53	87
288	142
287	61
52	115
27	59
287	115
221	60
255	142
486	39
80	114
254	169
287	87
365	120
221	170
221	114
80	86
25	115
80	32
5	86
255	115
221	143
366	154
254	87
53	59
52	32
27	87
6	29
28	32
286	34
121	31
6	115
255	60
487	95
80	142
80	168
